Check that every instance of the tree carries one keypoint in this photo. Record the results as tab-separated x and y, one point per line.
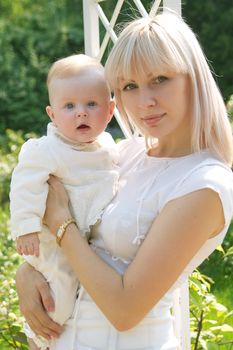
212	21
32	39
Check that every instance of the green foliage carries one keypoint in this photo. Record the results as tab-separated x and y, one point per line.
32	39
11	335
230	108
10	145
212	22
222	260
211	322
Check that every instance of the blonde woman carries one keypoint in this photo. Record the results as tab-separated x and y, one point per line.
173	207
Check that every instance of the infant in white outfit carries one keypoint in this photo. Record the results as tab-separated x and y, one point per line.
84	157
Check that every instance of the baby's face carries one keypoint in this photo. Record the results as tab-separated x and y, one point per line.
80	106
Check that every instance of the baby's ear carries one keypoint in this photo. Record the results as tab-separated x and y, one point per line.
112	106
49	111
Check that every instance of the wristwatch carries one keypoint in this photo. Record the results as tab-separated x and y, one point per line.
62	230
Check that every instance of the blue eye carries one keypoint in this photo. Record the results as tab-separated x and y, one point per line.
130	86
92	104
69	105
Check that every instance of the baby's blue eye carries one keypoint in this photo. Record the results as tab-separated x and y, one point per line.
130	86
92	104
69	105
160	79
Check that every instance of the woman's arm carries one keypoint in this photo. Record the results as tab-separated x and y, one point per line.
174	238
35	301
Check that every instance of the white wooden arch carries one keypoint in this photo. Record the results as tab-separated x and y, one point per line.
93	14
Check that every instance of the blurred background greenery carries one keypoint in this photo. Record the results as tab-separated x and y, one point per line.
35	33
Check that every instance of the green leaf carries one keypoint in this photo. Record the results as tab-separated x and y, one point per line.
220	249
196	299
220	308
203	344
212	346
229	252
224	328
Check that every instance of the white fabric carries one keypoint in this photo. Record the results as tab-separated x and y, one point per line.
90	175
146	185
94	332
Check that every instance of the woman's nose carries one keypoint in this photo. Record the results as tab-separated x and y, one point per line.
147	98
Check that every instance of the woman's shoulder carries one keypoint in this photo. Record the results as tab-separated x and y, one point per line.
207	173
203	166
211	170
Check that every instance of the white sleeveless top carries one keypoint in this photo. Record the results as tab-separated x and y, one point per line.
146	185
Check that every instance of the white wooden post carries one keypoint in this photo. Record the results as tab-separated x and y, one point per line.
112	24
141	8
91	28
174	5
181	316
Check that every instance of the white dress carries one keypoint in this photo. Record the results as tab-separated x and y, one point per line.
90	174
146	185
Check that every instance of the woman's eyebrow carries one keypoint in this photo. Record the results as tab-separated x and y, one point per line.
125	79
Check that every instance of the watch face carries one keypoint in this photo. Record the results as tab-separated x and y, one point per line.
60	231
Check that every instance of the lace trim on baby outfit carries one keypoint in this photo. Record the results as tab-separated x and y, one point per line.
88	147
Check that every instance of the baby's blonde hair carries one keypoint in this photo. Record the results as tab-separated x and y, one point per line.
75	65
166	43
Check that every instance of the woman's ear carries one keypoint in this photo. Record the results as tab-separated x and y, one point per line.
49	111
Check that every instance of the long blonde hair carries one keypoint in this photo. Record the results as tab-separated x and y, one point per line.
165	42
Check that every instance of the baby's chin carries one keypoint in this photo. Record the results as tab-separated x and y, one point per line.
81	139
82	142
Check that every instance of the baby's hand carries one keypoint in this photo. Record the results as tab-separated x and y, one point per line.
28	244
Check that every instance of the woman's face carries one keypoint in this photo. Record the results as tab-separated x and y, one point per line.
158	104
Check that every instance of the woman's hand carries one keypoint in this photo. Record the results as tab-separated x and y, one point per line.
57	205
35	301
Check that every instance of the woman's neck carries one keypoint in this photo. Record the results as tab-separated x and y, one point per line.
171	149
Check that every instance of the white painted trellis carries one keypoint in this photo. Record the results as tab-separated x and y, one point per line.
93	14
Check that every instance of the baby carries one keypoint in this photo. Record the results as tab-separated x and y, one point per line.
83	156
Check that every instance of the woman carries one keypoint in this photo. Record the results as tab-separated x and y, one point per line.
174	202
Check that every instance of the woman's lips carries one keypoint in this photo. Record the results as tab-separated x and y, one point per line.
151	120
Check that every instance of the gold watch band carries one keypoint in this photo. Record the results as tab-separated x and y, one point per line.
62	230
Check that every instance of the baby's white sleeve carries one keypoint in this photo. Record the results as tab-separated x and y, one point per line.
29	187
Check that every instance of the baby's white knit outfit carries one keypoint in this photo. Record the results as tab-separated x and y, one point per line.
90	174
